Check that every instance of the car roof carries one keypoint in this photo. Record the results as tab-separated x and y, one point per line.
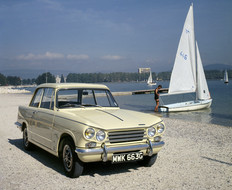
73	85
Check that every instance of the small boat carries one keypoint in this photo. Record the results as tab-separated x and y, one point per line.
226	80
150	80
188	74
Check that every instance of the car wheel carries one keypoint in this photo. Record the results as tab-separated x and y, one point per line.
73	167
26	144
148	161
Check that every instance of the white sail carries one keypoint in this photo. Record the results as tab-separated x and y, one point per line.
149	80
188	74
202	87
226	80
183	77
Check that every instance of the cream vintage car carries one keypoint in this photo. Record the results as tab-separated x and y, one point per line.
82	123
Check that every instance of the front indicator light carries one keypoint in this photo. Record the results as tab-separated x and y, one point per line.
157	139
90	145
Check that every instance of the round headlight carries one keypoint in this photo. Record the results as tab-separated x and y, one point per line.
100	136
160	128
89	133
151	131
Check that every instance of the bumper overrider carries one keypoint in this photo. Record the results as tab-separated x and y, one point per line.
148	146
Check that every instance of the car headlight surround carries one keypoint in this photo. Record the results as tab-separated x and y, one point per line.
151	131
160	128
89	133
101	135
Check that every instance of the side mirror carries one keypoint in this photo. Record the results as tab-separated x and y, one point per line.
85	93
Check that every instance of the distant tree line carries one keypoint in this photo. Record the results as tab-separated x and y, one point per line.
10	80
45	78
100	77
107	77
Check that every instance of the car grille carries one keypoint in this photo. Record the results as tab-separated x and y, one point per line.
126	136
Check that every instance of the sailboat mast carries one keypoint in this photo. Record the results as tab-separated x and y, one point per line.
195	66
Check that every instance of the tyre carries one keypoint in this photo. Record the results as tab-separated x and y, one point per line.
148	161
26	144
73	167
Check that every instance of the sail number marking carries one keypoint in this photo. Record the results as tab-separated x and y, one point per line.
187	31
185	56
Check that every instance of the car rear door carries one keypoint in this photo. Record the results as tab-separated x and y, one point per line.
43	118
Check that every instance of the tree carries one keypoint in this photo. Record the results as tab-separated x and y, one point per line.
13	80
62	78
164	75
2	80
45	78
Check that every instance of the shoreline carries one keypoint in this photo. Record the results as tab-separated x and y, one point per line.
14	89
195	156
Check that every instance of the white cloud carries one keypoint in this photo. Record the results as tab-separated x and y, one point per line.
47	55
151	60
112	57
77	57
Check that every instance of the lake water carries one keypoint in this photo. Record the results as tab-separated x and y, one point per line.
220	111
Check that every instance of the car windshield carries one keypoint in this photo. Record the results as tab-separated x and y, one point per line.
69	98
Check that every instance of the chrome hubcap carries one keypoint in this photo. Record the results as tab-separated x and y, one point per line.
67	157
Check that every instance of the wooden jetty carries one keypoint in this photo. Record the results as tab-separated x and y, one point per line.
139	92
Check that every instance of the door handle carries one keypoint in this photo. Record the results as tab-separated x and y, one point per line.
34	112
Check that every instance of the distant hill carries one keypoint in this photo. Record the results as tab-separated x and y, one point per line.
218	67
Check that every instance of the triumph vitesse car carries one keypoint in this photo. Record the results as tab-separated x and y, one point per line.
82	123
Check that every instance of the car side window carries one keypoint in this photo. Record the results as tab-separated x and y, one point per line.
102	98
37	97
88	97
67	98
48	99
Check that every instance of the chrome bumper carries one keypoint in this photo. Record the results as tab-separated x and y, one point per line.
104	150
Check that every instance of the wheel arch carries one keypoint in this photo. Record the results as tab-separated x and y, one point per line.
62	137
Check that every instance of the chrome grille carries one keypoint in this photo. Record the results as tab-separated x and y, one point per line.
126	136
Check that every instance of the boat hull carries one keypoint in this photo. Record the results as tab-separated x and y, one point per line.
186	106
151	84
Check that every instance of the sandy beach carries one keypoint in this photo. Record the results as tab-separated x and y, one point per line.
195	156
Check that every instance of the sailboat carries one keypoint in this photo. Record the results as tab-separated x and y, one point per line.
188	73
226	80
150	80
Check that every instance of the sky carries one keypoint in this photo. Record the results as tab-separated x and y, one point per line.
85	36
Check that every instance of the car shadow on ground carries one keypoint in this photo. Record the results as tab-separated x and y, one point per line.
39	154
104	169
90	169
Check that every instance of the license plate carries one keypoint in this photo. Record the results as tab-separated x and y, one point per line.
127	157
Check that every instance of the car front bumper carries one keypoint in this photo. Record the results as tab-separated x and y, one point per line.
104	152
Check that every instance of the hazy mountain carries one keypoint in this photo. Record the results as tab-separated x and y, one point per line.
218	67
